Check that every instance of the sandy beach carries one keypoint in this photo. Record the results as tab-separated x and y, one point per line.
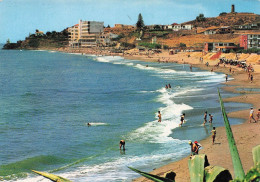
246	135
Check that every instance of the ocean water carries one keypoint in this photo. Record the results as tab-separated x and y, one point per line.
47	98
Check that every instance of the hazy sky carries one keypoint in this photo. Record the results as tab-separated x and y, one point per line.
18	18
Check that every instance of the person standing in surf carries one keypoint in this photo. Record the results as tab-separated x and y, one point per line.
122	143
210	118
182	119
205	117
159	116
226	77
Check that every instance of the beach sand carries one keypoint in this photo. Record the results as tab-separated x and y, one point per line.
247	135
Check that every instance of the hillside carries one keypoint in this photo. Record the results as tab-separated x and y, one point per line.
227	19
50	40
198	40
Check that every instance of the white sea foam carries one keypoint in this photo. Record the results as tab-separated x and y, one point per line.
155	132
110	171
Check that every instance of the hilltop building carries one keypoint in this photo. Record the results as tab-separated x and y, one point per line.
232	8
182	27
85	34
250	40
249	26
216	30
39	33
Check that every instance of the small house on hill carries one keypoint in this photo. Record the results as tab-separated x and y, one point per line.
39	33
215	30
182	27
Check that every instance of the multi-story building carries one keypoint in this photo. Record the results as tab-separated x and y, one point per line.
85	34
219	46
107	39
249	41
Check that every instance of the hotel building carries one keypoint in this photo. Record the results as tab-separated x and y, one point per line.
85	34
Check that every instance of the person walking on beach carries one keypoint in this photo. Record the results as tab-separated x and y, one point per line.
159	116
191	67
205	117
226	77
251	115
251	78
182	119
213	131
122	144
210	118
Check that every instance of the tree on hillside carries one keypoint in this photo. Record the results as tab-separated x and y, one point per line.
108	26
200	18
140	22
182	45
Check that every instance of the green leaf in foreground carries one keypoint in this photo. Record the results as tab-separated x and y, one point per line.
51	177
151	176
197	163
238	168
216	173
256	155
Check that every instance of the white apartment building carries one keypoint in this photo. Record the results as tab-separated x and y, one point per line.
85	34
253	41
182	27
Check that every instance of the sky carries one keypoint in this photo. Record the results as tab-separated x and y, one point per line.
18	18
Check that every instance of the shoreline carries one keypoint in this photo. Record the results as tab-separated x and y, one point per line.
246	135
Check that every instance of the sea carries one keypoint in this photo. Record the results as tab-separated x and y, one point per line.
48	98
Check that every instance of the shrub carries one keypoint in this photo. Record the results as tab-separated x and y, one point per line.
150	45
